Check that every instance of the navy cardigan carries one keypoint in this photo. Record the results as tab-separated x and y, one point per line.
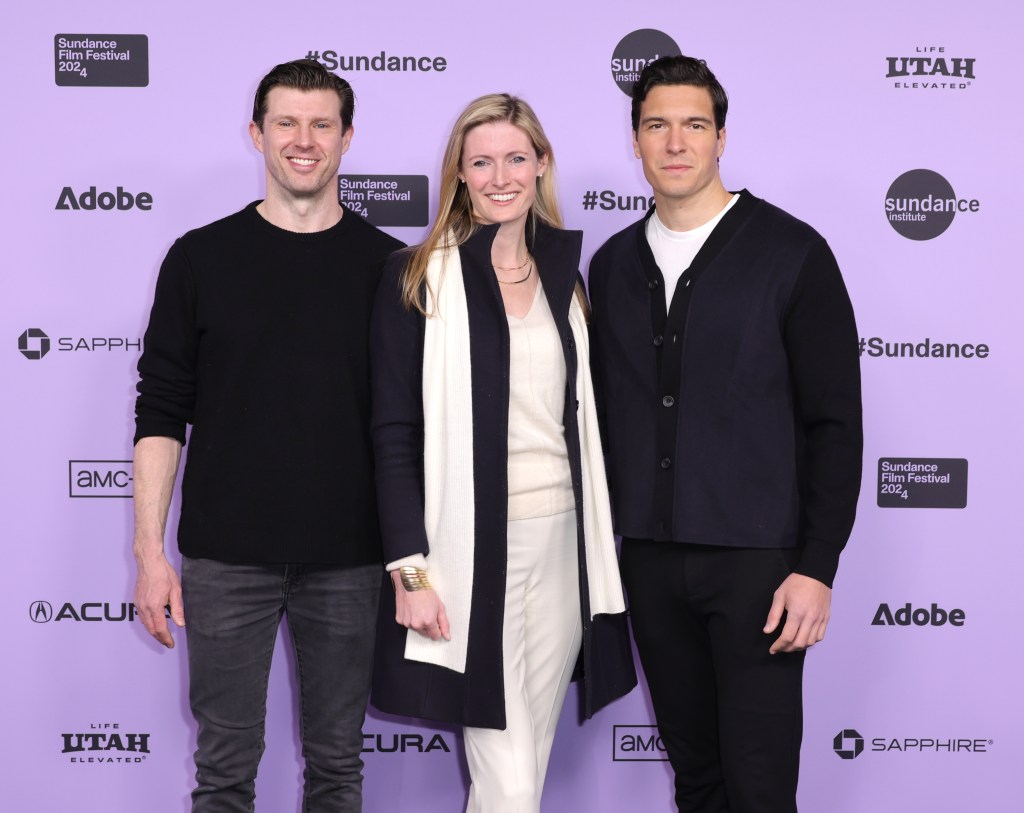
733	417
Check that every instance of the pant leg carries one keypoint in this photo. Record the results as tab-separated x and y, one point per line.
675	653
554	630
331	614
760	703
540	641
232	613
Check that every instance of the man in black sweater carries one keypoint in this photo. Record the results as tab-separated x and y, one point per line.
258	338
724	352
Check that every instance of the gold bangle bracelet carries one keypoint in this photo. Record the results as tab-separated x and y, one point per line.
414	578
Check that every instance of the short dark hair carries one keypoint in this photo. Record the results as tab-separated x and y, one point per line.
304	74
679	70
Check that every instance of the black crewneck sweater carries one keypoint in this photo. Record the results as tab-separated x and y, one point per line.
258	337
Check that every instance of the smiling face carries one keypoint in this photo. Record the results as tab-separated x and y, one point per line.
302	143
500	169
677	142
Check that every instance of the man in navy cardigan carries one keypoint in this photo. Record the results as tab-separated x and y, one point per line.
725	357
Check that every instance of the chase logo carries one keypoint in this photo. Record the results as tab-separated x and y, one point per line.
33	343
637	743
40	611
848	744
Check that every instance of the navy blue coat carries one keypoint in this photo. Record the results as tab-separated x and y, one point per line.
476	697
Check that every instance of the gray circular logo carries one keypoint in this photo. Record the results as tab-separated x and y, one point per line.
33	343
40	611
636	50
920	204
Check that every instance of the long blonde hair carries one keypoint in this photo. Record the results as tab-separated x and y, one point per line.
455	222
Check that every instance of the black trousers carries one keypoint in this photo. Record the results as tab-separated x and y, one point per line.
730	715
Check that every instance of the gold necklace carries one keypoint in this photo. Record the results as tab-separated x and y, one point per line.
529	261
517	268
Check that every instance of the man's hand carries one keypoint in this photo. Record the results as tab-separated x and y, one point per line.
156	586
420	610
806	602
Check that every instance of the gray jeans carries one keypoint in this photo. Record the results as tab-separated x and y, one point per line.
232	613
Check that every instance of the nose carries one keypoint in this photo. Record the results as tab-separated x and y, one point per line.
676	141
304	135
501	174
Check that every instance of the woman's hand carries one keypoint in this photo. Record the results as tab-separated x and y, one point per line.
420	610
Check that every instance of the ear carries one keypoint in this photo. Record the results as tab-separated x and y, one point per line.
346	139
256	135
542	165
721	143
636	146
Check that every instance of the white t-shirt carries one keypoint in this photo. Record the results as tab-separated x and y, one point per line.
674	250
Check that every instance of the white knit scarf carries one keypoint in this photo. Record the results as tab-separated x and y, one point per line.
449	507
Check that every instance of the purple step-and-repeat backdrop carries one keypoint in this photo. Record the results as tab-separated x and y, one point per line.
887	126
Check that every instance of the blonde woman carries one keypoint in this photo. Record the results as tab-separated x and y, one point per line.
493	503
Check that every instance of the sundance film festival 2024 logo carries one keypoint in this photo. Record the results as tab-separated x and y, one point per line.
637	49
921	204
386	200
922	482
930	68
101	60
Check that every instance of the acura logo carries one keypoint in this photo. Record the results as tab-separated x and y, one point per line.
40	611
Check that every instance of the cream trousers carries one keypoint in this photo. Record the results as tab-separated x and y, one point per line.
541	639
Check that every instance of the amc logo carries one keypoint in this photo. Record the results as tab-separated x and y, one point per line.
100	478
637	743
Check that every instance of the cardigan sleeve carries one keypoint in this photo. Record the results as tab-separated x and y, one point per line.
820	336
396	424
167	367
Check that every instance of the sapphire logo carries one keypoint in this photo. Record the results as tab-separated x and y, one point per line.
848	744
33	343
636	50
40	611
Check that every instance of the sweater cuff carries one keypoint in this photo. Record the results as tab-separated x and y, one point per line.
820	561
416	560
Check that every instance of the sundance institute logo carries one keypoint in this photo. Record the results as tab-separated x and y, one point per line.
921	204
636	50
33	343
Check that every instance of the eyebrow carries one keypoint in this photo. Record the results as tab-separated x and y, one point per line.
490	157
687	120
